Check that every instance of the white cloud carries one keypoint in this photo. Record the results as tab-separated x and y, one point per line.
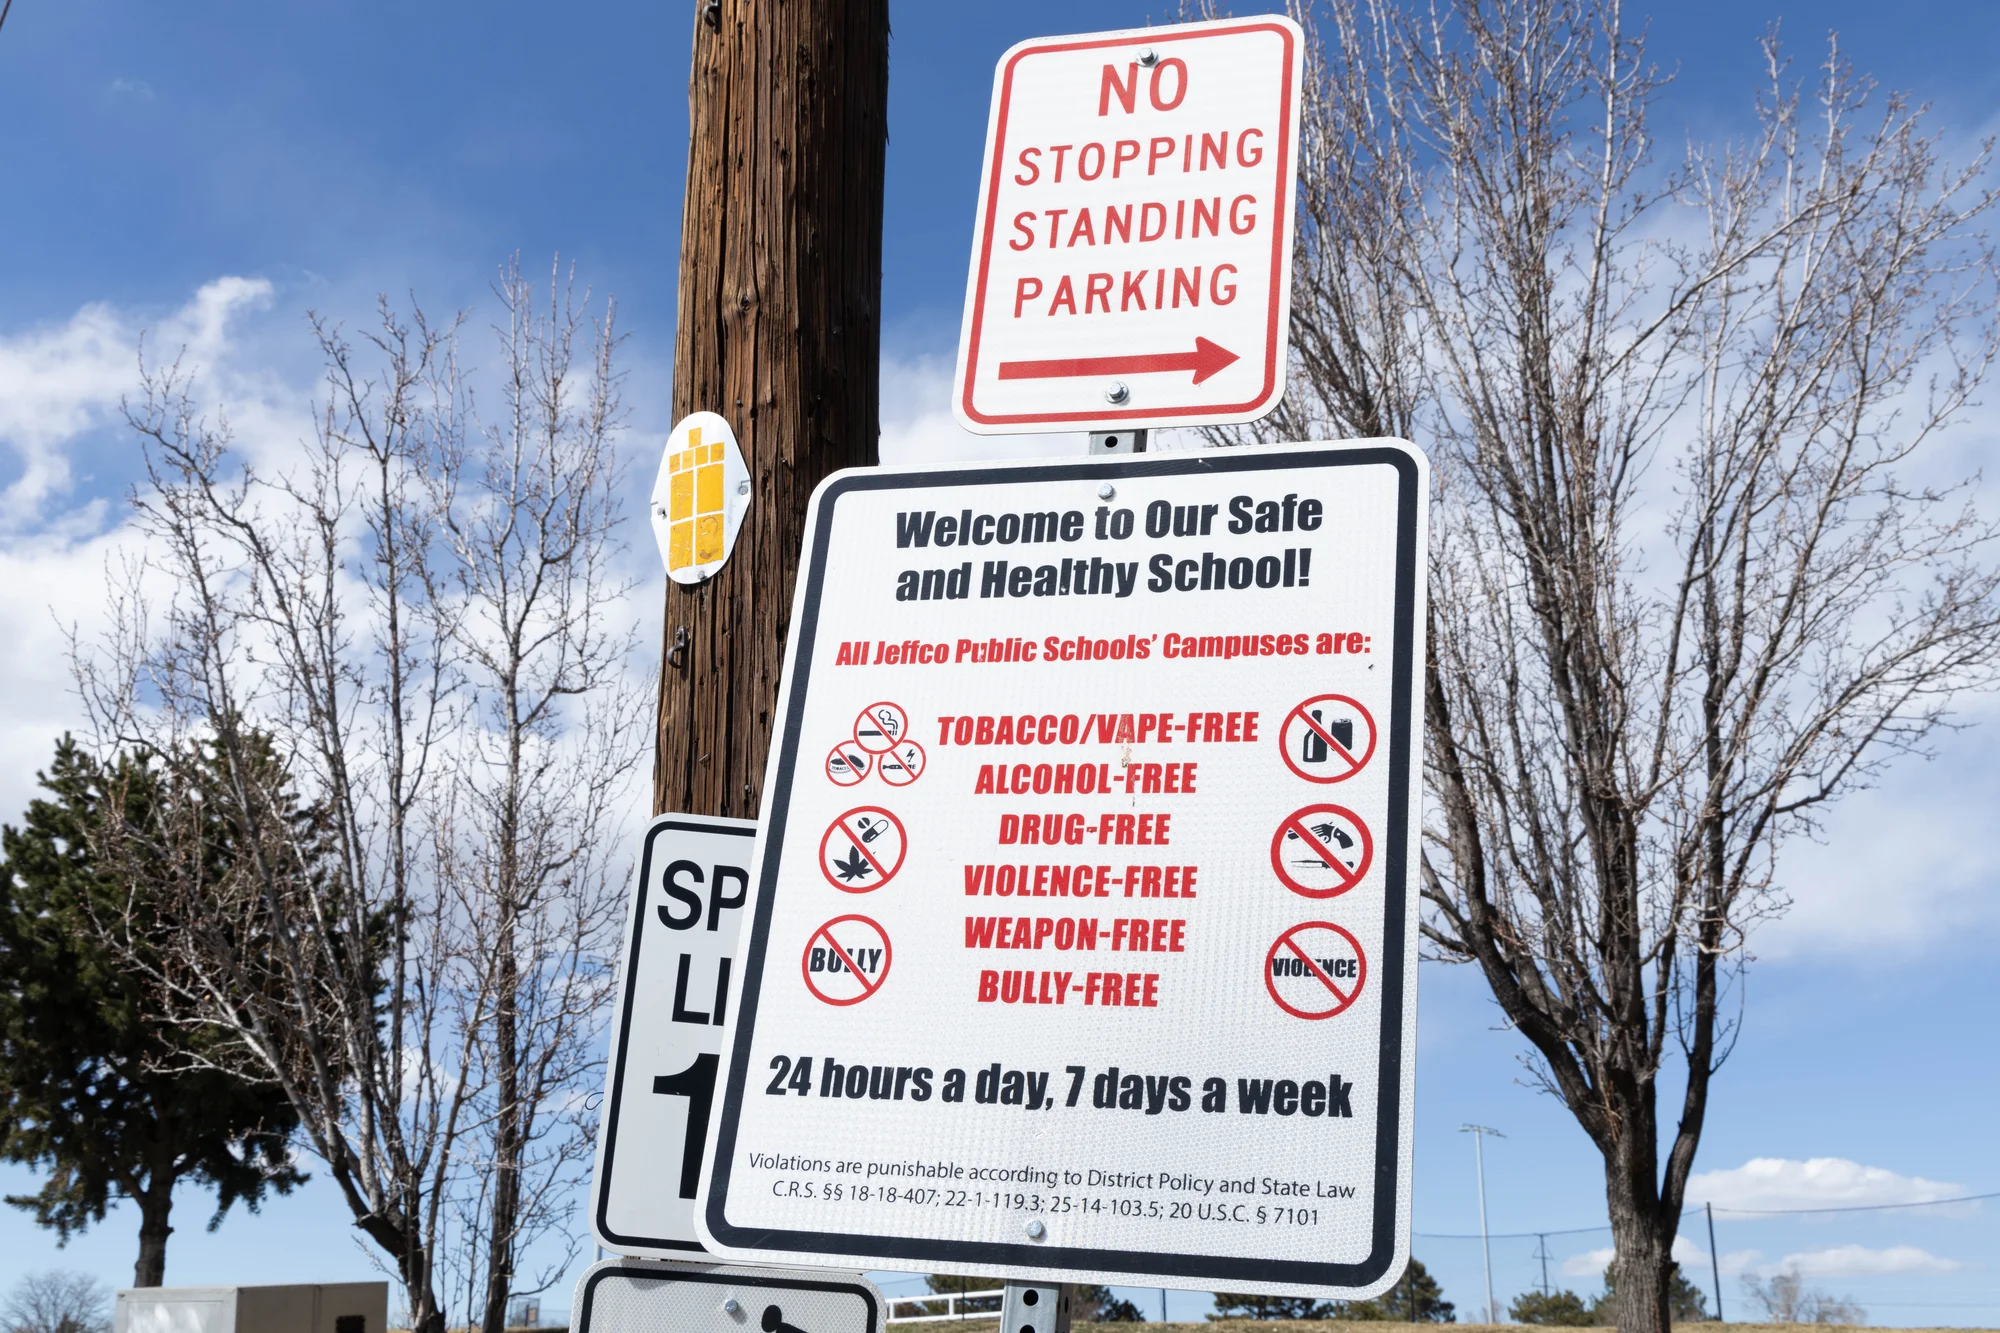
1882	882
1688	1254
1860	1261
1833	1262
59	383
918	427
1772	1183
136	90
42	590
1591	1263
1738	1261
61	537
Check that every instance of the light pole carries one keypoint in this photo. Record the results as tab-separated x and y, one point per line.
1479	1133
1714	1264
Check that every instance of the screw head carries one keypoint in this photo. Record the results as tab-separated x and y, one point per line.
1106	491
743	487
1117	393
1036	1230
1149	57
731	1306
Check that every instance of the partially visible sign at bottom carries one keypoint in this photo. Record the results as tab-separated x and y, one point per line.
645	1295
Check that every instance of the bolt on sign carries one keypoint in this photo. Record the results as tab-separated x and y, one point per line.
666	1041
700	497
1119	987
1131	261
638	1296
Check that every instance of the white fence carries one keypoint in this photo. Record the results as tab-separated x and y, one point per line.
936	1308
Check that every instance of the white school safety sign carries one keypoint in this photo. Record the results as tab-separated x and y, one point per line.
667	1032
1131	262
1119	986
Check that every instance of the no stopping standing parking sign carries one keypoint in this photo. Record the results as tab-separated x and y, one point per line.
1131	262
1118	985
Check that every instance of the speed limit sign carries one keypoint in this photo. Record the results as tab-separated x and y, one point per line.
680	941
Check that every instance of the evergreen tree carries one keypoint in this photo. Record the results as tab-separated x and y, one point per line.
1685	1303
1563	1308
112	1102
1096	1305
1237	1305
1415	1288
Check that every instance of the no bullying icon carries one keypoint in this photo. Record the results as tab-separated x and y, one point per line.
846	960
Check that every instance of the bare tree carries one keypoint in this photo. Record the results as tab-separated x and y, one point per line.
527	510
295	645
1788	1300
1688	584
415	635
57	1301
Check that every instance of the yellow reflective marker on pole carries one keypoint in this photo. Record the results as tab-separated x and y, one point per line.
700	497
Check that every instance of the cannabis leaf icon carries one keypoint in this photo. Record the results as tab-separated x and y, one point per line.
854	866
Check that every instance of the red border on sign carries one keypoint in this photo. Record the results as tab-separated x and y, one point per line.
888	957
1285	750
1295	821
841	824
1278	275
1346	1001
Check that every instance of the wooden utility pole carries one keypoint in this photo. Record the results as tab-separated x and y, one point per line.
779	333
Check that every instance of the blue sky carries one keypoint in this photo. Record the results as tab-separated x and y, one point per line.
208	172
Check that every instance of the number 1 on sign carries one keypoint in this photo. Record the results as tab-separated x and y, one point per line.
697	1084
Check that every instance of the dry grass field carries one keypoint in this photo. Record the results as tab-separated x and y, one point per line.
1339	1326
1336	1326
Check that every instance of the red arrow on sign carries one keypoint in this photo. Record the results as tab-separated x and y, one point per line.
1204	361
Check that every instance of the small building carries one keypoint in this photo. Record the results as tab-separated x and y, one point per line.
333	1307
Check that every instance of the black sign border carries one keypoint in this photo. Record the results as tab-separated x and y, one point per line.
944	1254
626	1001
756	1281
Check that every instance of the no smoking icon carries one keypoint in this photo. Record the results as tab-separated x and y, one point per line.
1328	738
1315	970
1321	850
879	726
846	960
862	850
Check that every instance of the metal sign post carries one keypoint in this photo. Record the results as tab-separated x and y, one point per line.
1119	987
